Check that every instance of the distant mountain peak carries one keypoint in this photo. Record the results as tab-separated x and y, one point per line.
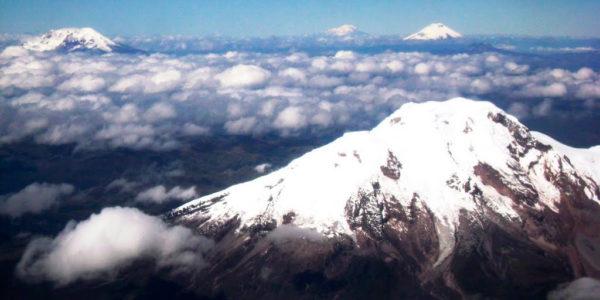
343	30
72	39
434	31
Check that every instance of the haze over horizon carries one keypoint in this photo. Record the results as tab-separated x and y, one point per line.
267	18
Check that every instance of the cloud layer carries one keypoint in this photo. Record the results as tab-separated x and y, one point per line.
108	242
157	101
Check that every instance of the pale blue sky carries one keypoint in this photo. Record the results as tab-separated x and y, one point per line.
279	17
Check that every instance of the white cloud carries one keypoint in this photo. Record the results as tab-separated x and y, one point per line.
154	101
193	129
519	110
122	185
584	74
159	194
290	118
345	55
86	83
589	91
542	109
108	242
163	81
581	289
241	126
160	111
127	113
564	49
515	68
395	66
422	69
293	73
34	199
262	168
241	76
14	51
552	90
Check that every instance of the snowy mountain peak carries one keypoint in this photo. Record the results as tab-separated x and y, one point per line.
71	39
343	30
435	189
439	151
435	31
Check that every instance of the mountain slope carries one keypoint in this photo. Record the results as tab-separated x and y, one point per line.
432	32
441	199
73	39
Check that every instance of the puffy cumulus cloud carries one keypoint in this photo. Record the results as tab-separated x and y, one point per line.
86	83
580	289
584	73
160	111
555	89
589	91
34	199
241	126
159	194
345	55
515	68
107	242
193	129
262	168
156	101
290	118
13	51
241	76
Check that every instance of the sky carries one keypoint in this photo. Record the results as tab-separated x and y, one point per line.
251	18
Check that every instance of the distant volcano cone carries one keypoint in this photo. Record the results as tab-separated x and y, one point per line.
432	32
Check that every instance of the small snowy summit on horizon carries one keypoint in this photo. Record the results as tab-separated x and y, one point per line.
346	32
72	39
433	32
343	30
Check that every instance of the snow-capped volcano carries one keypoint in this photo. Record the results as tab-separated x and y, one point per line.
453	198
72	39
432	32
343	30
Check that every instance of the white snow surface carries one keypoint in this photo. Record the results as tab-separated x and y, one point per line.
434	141
435	31
71	39
584	160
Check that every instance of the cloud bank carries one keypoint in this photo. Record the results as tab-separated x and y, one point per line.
158	101
107	242
34	199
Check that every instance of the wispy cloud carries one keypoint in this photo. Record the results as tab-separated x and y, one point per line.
160	194
33	199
